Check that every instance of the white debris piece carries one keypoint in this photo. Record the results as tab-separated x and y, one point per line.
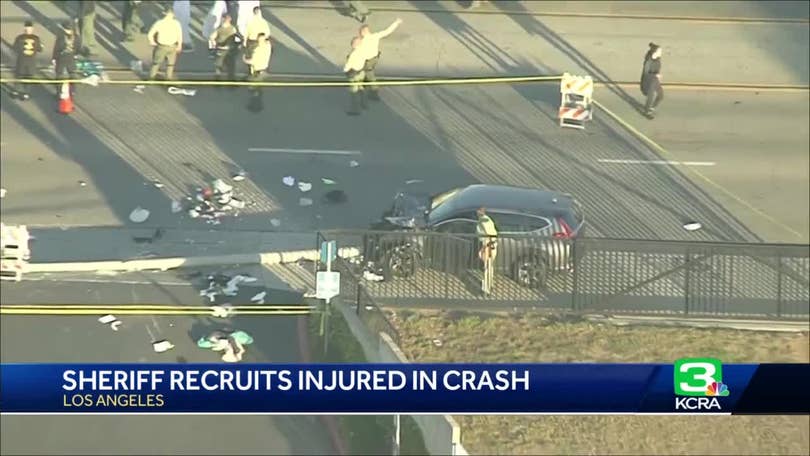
139	88
438	342
193	213
162	346
2	193
136	66
107	319
305	202
372	277
275	222
115	325
91	80
692	226
289	181
157	184
259	298
82	184
180	91
413	181
238	177
177	206
304	186
221	187
236	203
223	311
328	181
354	164
139	215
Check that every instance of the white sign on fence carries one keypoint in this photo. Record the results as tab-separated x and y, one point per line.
327	284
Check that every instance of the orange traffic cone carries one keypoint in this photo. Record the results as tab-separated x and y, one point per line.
65	99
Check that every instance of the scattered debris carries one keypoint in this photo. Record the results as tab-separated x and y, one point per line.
692	226
438	342
223	311
107	319
82	183
413	181
305	202
220	284
162	346
157	184
372	277
275	222
139	88
115	325
354	164
289	181
180	91
139	215
328	181
214	202
259	298
2	193
91	80
335	197
239	177
304	186
177	206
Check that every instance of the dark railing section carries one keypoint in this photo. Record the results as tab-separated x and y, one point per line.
583	275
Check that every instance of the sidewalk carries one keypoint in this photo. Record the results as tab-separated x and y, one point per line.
457	42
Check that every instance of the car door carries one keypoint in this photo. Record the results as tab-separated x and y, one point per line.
452	248
521	234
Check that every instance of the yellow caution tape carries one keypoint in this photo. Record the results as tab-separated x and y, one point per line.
152	310
409	82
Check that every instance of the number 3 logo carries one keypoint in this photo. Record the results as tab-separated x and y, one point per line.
694	376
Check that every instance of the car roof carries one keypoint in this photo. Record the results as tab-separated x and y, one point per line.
506	198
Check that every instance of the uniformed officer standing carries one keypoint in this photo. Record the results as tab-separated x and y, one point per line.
224	43
651	80
166	36
258	63
256	26
354	70
370	46
87	26
64	53
26	47
488	237
131	23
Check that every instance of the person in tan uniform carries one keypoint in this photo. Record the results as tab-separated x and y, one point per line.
488	238
258	63
256	26
354	70
370	46
166	37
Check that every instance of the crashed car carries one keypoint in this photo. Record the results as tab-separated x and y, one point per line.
536	230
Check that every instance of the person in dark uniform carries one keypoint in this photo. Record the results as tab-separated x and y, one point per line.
131	23
26	47
226	47
651	80
64	53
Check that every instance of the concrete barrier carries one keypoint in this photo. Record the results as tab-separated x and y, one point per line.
441	433
164	264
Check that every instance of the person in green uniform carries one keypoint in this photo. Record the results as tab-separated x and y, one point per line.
223	42
87	26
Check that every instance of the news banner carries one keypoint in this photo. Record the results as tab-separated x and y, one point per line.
694	385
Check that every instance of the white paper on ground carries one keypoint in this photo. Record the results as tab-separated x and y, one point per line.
692	226
259	298
354	164
304	186
139	215
305	202
115	325
177	207
106	319
289	181
275	222
162	346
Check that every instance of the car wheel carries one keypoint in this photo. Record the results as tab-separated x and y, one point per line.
400	262
531	272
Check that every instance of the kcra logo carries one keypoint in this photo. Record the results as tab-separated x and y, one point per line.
698	384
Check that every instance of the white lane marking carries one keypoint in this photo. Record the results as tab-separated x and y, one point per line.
109	281
655	162
305	151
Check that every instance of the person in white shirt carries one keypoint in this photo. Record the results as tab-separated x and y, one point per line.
256	26
244	13
258	62
370	48
355	63
182	11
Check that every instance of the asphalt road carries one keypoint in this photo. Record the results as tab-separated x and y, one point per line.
442	136
83	339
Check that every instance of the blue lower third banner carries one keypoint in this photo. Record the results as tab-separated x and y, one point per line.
696	385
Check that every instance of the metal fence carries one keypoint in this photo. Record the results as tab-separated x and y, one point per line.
583	275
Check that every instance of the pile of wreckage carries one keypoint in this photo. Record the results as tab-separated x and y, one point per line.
212	203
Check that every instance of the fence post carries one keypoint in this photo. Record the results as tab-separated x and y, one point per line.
779	285
357	297
687	281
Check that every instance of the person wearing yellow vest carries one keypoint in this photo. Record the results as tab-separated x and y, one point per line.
488	237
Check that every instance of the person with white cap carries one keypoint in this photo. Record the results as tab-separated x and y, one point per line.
244	13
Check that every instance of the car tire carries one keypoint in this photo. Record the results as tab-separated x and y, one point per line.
531	272
400	262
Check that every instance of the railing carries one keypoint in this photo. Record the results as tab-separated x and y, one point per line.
582	275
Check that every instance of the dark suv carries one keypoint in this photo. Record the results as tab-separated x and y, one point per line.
535	229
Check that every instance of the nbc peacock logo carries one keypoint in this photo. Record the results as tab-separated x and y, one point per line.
717	389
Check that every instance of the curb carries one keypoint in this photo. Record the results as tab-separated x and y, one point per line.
163	264
706	323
